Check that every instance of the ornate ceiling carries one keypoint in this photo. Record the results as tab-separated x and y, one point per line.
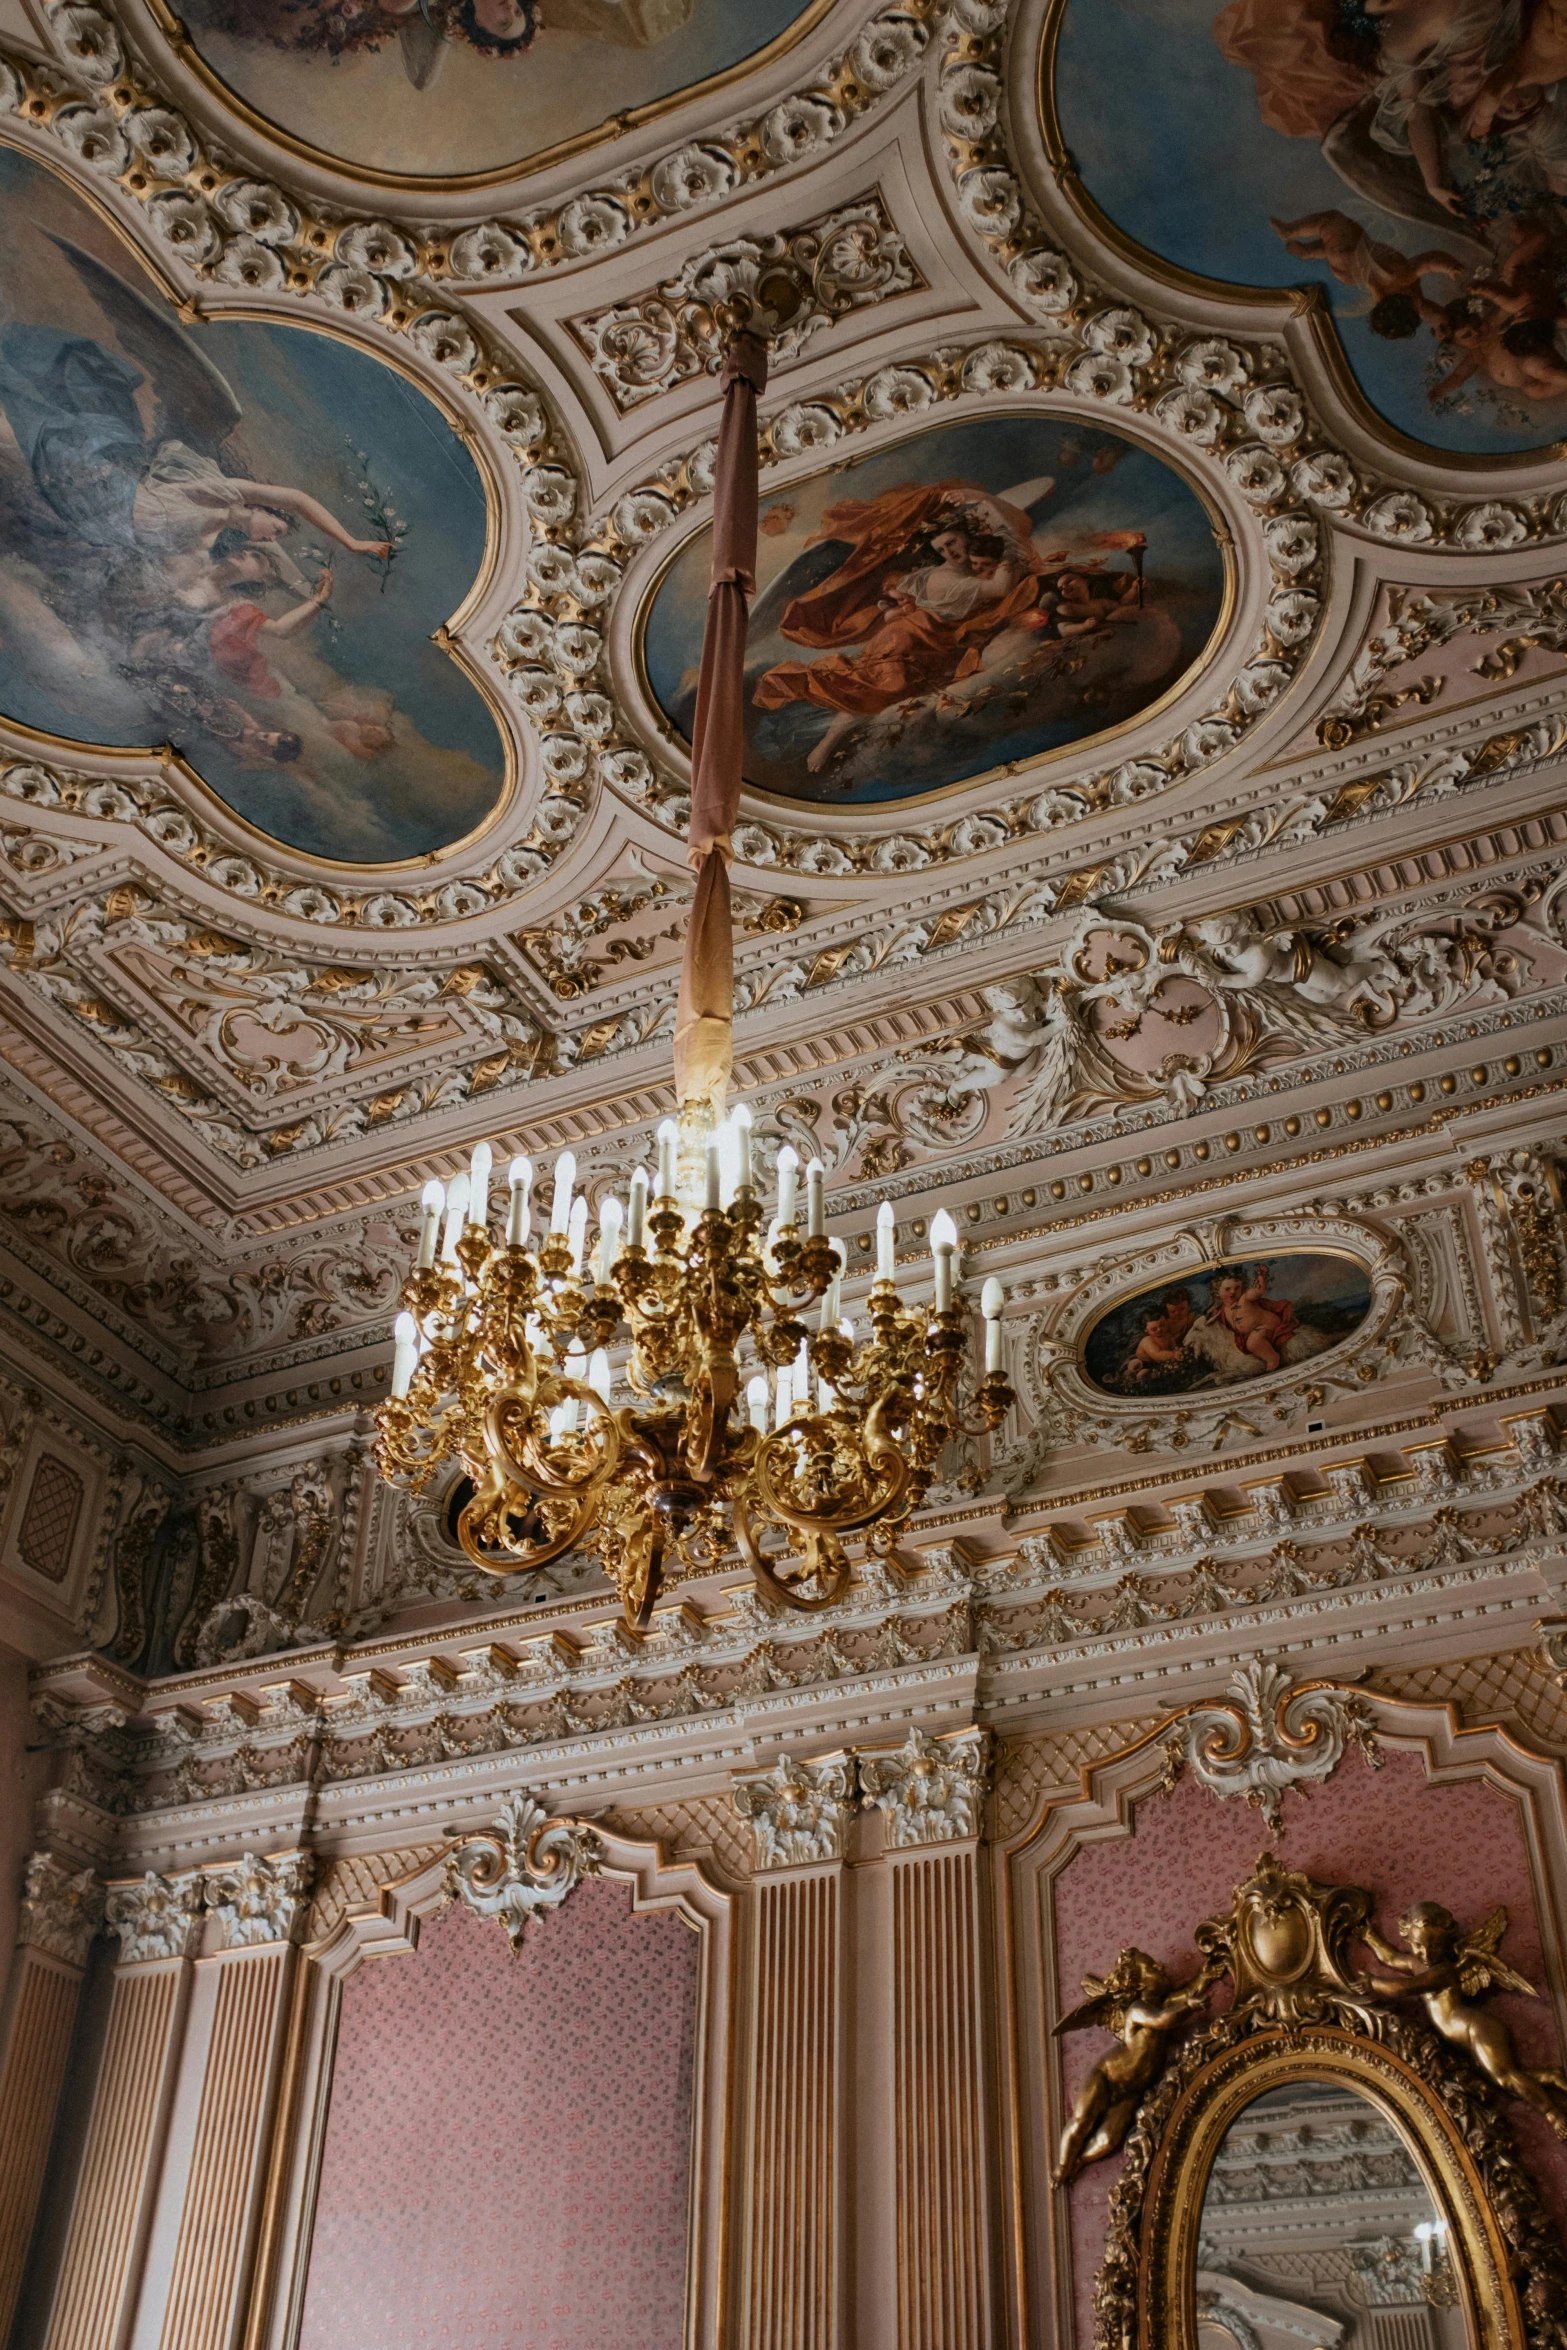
1191	848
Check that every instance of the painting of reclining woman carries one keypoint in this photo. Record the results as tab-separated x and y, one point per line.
988	591
451	88
1227	1324
1407	157
231	575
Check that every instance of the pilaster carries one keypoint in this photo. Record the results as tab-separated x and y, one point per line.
159	1923
196	2286
795	2254
931	1793
61	1911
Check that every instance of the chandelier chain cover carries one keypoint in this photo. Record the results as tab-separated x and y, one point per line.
745	1430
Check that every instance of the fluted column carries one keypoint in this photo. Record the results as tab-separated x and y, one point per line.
159	1922
195	2290
61	1910
794	2286
930	1792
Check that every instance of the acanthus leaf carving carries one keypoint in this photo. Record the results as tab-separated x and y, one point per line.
930	1790
156	1917
261	1897
523	1867
1269	1735
62	1909
799	1810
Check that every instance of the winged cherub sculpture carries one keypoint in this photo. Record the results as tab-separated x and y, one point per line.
1447	1969
1137	2002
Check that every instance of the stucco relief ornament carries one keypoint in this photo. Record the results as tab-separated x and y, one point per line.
61	1909
156	1917
261	1898
1271	1735
929	1790
799	1811
523	1867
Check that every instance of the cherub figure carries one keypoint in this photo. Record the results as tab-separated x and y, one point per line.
1447	1969
1260	1325
1135	2001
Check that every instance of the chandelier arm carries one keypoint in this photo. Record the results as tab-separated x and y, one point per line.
528	1468
777	1588
884	1460
493	1492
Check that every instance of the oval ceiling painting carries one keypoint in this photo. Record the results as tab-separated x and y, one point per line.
237	540
1227	1323
988	591
465	89
1409	160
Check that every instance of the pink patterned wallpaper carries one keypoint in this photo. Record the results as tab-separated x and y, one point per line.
1388	1830
508	2149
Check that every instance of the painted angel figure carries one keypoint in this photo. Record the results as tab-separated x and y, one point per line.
1136	2002
1447	1969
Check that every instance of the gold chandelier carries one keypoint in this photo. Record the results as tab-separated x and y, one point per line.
502	1362
503	1351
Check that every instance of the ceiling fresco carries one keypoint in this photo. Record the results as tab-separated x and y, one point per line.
413	89
987	591
1404	157
237	539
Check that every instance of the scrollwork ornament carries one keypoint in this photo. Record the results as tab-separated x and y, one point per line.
1268	1736
523	1867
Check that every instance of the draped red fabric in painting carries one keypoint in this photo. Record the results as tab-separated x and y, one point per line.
508	2147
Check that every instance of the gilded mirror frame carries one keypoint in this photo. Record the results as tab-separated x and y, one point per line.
1401	2083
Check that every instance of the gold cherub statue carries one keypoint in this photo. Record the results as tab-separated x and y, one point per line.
1136	2002
1446	1969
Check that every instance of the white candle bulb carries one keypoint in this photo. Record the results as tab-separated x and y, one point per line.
560	1198
815	1200
405	1354
479	1184
756	1402
576	1368
610	1218
431	1201
577	1229
943	1240
886	1242
741	1120
456	1215
784	1403
519	1175
668	1135
832	1295
991	1300
598	1375
636	1223
710	1190
788	1177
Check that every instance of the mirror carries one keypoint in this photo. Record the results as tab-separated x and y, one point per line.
1319	2233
